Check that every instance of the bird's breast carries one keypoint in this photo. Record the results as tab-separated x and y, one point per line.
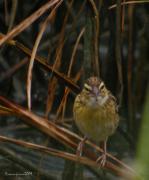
96	123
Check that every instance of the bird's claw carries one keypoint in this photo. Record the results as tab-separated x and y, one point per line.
101	160
79	149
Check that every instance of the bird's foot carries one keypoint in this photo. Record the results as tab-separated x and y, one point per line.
101	160
80	147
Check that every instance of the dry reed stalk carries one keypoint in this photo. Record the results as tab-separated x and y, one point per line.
35	47
28	21
57	64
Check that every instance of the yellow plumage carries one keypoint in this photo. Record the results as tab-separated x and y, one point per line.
96	123
95	114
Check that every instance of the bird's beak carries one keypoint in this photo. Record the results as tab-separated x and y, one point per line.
95	91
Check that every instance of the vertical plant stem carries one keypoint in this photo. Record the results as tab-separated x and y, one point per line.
88	42
13	13
129	67
31	63
118	50
57	63
96	38
123	16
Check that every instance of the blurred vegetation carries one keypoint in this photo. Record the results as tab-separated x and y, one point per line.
80	39
142	159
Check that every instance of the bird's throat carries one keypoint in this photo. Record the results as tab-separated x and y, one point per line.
94	102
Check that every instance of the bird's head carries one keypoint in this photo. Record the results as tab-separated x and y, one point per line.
95	92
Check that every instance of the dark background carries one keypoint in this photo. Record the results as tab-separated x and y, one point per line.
127	46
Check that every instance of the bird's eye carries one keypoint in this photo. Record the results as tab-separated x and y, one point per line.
87	87
101	86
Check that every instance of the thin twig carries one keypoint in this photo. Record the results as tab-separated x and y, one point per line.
42	61
118	50
51	151
96	38
123	17
38	39
13	69
130	67
57	63
128	2
74	51
6	11
24	24
70	68
13	14
62	135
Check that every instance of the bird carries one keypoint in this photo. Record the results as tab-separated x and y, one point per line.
95	112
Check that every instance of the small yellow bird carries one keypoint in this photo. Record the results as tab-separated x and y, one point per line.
96	114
